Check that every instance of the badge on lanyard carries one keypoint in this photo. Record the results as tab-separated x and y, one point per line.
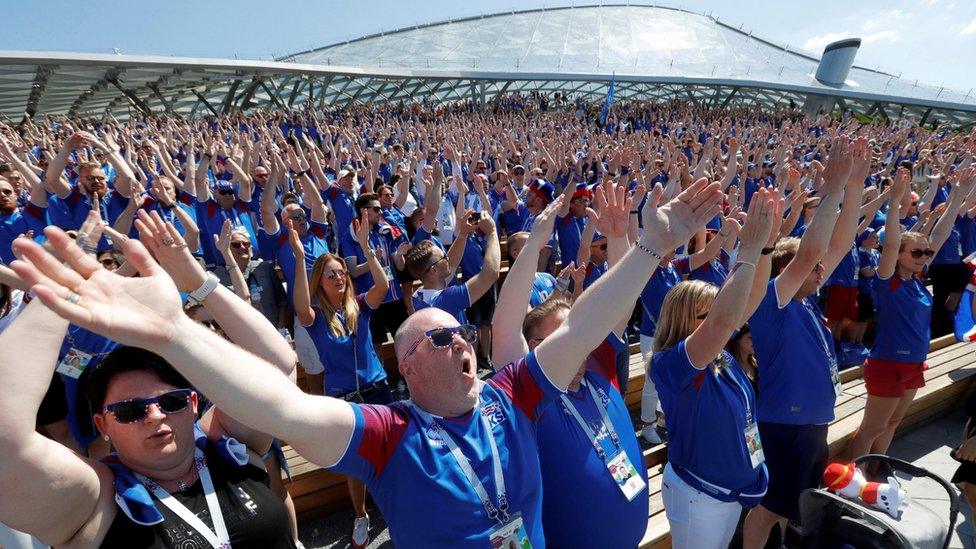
625	475
835	377
510	535
754	445
74	363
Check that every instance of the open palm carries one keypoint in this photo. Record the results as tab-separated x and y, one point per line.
134	311
667	227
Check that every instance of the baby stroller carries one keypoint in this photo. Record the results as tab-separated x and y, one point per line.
830	521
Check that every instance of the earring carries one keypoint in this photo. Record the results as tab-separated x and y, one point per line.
105	438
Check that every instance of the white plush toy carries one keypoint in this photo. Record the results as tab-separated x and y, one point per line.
848	481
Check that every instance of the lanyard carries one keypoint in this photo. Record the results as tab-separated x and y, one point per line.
604	418
218	537
745	395
499	513
818	324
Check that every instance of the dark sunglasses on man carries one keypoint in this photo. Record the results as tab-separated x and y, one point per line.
443	337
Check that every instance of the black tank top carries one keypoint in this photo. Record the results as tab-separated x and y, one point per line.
254	516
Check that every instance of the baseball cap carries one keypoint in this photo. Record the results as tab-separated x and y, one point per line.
582	191
542	189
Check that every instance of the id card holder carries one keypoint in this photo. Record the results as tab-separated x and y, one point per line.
754	445
510	535
74	363
835	378
625	475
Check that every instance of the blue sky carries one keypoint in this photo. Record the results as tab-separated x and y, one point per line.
933	41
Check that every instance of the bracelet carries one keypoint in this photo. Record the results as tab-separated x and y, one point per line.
650	252
740	262
634	212
769	250
200	294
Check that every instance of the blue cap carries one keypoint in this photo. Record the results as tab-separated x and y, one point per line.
542	189
223	185
597	236
864	236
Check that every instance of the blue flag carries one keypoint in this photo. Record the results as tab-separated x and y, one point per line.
605	109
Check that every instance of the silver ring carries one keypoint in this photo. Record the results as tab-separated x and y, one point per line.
168	242
72	297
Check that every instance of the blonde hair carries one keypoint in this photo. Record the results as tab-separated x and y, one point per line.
911	236
681	305
350	309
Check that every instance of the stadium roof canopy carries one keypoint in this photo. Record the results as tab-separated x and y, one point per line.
651	52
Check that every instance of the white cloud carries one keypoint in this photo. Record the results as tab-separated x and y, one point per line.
950	7
817	43
880	36
968	29
930	2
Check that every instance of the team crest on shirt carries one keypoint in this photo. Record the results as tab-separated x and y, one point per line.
604	397
493	412
434	436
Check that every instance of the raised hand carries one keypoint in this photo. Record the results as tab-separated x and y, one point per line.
295	241
838	165
612	209
543	225
222	240
755	232
142	312
169	248
666	227
486	223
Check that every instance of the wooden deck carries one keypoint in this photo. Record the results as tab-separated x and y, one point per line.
951	377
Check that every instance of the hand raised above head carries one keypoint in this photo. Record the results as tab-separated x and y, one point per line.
143	312
667	226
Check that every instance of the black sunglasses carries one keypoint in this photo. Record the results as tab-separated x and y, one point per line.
443	337
240	245
135	409
226	192
602	247
919	253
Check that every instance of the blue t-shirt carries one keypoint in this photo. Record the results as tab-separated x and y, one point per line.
593	272
12	225
572	471
71	211
951	251
846	273
385	240
347	358
514	219
276	247
422	235
344	207
542	287
904	310
570	229
866	258
652	296
792	345
708	411
714	271
404	461
967	234
211	217
395	217
453	299
473	258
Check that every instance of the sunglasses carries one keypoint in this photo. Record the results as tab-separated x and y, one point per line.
96	178
917	254
226	192
602	247
434	264
135	409
443	337
335	273
298	217
240	245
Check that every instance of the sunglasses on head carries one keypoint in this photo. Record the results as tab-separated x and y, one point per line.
917	254
240	245
135	409
334	273
443	337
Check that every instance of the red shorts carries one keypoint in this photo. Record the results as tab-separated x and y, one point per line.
841	303
890	378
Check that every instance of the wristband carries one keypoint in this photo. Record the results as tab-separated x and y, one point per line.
634	212
200	294
650	252
749	263
769	250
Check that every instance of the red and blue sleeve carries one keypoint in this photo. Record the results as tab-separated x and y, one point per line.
603	359
375	437
527	386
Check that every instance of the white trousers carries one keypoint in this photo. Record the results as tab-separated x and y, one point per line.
649	400
12	539
697	520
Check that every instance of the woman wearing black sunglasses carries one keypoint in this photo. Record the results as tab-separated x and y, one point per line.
168	468
895	369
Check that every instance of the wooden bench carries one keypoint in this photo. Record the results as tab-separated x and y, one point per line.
949	380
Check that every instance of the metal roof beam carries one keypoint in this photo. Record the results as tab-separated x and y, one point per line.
41	78
228	102
203	100
138	103
99	85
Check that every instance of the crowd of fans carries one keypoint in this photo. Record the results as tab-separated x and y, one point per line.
162	277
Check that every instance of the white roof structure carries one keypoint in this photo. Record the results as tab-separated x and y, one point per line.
651	52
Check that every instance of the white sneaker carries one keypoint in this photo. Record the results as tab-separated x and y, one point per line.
649	432
360	532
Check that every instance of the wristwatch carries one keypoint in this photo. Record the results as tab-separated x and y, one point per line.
200	294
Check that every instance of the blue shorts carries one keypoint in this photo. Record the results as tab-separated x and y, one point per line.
796	456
